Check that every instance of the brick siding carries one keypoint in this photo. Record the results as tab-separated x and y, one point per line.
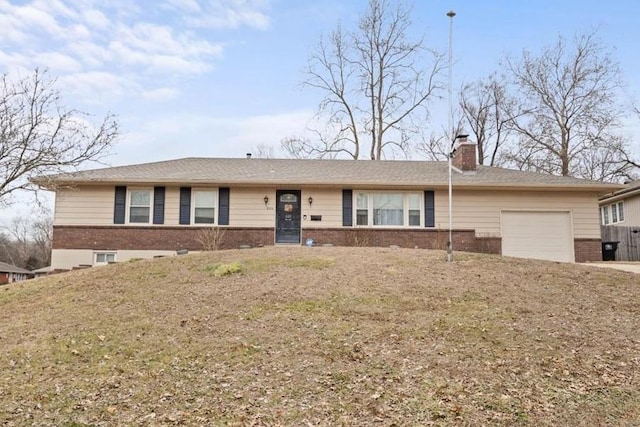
176	238
587	250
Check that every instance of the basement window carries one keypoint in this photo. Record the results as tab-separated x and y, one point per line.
104	257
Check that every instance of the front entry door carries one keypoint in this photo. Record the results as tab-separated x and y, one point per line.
288	216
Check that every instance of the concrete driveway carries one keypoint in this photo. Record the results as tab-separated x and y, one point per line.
631	267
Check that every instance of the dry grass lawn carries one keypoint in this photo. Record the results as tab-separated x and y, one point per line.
322	337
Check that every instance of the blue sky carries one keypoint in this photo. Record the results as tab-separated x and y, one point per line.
220	77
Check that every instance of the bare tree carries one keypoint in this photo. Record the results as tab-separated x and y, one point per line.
373	81
570	110
42	238
39	136
437	146
263	151
488	111
26	243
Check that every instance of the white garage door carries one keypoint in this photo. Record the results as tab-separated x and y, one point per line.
539	235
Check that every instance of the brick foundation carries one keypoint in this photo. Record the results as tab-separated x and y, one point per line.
587	250
175	238
152	238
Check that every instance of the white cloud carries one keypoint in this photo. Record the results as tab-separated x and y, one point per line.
184	5
97	87
161	94
57	62
93	40
36	19
229	14
92	55
95	19
186	135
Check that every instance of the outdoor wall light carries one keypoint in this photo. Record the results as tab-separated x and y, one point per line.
266	200
310	200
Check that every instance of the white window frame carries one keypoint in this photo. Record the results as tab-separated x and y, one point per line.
216	206
617	210
620	205
611	211
604	215
105	254
405	208
128	207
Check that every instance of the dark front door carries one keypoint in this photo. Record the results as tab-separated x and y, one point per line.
287	216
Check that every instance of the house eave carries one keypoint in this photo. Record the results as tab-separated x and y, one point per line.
599	188
619	195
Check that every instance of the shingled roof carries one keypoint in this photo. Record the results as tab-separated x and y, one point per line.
631	189
8	268
323	173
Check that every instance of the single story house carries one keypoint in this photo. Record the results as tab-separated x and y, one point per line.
156	209
10	273
620	219
43	271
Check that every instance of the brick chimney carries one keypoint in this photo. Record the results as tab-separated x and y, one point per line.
464	158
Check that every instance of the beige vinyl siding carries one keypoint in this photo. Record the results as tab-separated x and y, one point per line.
480	210
93	205
326	203
247	207
631	212
84	205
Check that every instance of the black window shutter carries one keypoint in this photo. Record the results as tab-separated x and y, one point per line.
158	205
223	206
185	205
429	209
120	205
347	208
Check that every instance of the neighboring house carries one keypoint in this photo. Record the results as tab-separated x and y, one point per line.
620	219
155	209
44	271
622	207
10	273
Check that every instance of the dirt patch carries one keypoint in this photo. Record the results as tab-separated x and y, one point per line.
322	336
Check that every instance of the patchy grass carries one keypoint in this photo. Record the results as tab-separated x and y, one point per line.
219	270
322	336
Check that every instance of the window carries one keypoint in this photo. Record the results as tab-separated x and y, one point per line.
362	209
388	209
140	206
604	215
612	214
204	206
620	211
105	257
414	209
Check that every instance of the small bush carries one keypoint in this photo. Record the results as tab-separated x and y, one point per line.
211	238
224	269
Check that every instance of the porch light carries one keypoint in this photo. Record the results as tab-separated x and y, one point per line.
310	200
266	200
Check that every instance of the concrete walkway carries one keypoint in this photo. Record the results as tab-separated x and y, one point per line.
631	267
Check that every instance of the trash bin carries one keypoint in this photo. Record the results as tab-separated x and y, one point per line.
609	251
